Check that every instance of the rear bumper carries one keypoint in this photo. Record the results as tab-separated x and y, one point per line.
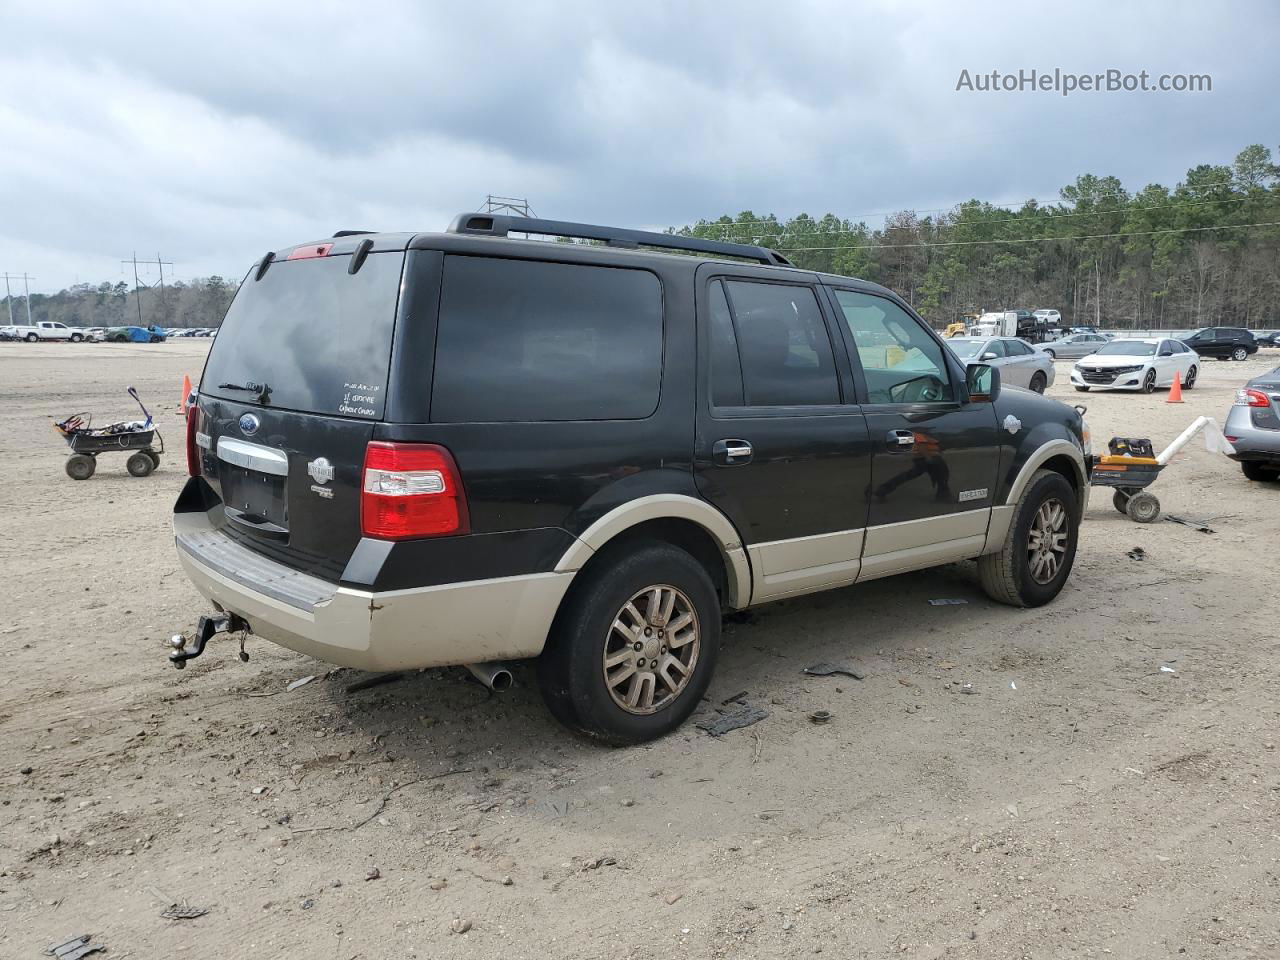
469	622
1251	442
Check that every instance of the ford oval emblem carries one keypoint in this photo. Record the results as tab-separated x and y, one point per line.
249	424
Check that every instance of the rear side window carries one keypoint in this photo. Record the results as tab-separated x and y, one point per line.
522	340
726	369
309	336
783	345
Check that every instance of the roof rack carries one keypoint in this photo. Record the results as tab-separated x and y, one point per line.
493	225
350	233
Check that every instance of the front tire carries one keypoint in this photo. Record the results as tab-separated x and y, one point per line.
1149	382
32	338
1239	353
80	466
1035	561
1143	508
1191	378
76	338
614	668
140	464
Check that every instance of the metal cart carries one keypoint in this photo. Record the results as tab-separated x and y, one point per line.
141	440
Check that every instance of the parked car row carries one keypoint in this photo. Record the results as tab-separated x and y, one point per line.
194	332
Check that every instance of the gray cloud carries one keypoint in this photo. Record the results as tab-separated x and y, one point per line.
211	138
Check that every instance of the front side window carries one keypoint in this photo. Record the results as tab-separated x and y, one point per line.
524	340
901	363
783	345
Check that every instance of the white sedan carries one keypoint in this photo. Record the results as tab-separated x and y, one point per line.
1137	365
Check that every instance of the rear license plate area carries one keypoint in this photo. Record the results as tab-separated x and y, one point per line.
259	498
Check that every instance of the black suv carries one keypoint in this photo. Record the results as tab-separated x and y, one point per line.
414	450
1221	343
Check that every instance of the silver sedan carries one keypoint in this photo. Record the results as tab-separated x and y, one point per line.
1019	364
1073	347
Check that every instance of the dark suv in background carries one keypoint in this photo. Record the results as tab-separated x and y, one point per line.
1222	343
415	450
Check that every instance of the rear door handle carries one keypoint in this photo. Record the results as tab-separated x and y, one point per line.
900	439
731	453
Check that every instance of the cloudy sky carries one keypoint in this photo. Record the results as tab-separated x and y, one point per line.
211	136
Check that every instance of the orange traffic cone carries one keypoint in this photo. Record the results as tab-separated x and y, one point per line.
186	392
1175	392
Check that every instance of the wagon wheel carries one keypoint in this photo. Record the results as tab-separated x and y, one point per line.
1120	500
80	466
140	464
1143	508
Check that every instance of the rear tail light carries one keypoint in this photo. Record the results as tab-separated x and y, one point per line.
411	490
193	451
1251	398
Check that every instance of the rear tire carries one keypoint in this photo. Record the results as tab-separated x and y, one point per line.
1120	500
32	338
1008	576
1239	353
1258	471
140	464
80	466
585	644
1039	382
76	338
155	458
1143	508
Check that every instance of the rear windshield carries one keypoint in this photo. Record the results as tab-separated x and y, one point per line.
309	336
1126	348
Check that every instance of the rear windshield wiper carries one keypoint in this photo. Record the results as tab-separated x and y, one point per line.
262	390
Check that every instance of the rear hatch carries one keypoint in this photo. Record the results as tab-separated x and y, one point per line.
294	384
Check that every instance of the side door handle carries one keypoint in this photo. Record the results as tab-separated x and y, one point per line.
900	439
731	453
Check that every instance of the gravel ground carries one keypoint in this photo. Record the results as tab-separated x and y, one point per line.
1083	801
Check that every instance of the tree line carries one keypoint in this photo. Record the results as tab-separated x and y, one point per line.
1205	251
198	303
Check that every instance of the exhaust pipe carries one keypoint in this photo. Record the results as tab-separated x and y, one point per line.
496	676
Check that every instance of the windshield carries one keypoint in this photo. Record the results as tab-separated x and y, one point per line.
1126	348
309	336
965	349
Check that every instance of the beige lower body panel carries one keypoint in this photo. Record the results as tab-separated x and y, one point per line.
788	568
452	624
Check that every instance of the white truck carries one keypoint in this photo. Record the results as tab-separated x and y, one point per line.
995	325
47	330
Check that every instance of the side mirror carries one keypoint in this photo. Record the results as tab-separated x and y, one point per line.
982	382
988	356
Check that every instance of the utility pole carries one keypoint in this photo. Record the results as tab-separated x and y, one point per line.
517	205
137	286
9	296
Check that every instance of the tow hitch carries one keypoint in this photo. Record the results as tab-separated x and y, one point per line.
206	627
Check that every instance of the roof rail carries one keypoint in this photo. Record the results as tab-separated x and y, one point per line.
350	233
493	225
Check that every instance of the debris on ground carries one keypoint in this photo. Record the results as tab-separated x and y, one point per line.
744	716
819	716
183	911
947	603
460	925
597	862
374	874
300	682
1193	524
736	698
825	669
377	680
967	688
1165	668
1137	553
75	948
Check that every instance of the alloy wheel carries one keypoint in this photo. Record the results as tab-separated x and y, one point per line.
651	649
1047	541
1149	382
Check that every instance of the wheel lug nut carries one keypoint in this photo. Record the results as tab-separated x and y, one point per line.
637	646
648	632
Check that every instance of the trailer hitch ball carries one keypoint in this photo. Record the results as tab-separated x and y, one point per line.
206	627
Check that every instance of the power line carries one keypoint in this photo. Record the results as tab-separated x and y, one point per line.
26	294
1092	236
137	286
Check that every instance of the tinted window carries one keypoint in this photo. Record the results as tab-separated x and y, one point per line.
911	368
726	370
523	340
996	347
1016	348
317	337
783	344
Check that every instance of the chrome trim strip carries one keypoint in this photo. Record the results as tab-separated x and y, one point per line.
253	456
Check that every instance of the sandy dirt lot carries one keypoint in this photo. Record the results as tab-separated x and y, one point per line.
1080	802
